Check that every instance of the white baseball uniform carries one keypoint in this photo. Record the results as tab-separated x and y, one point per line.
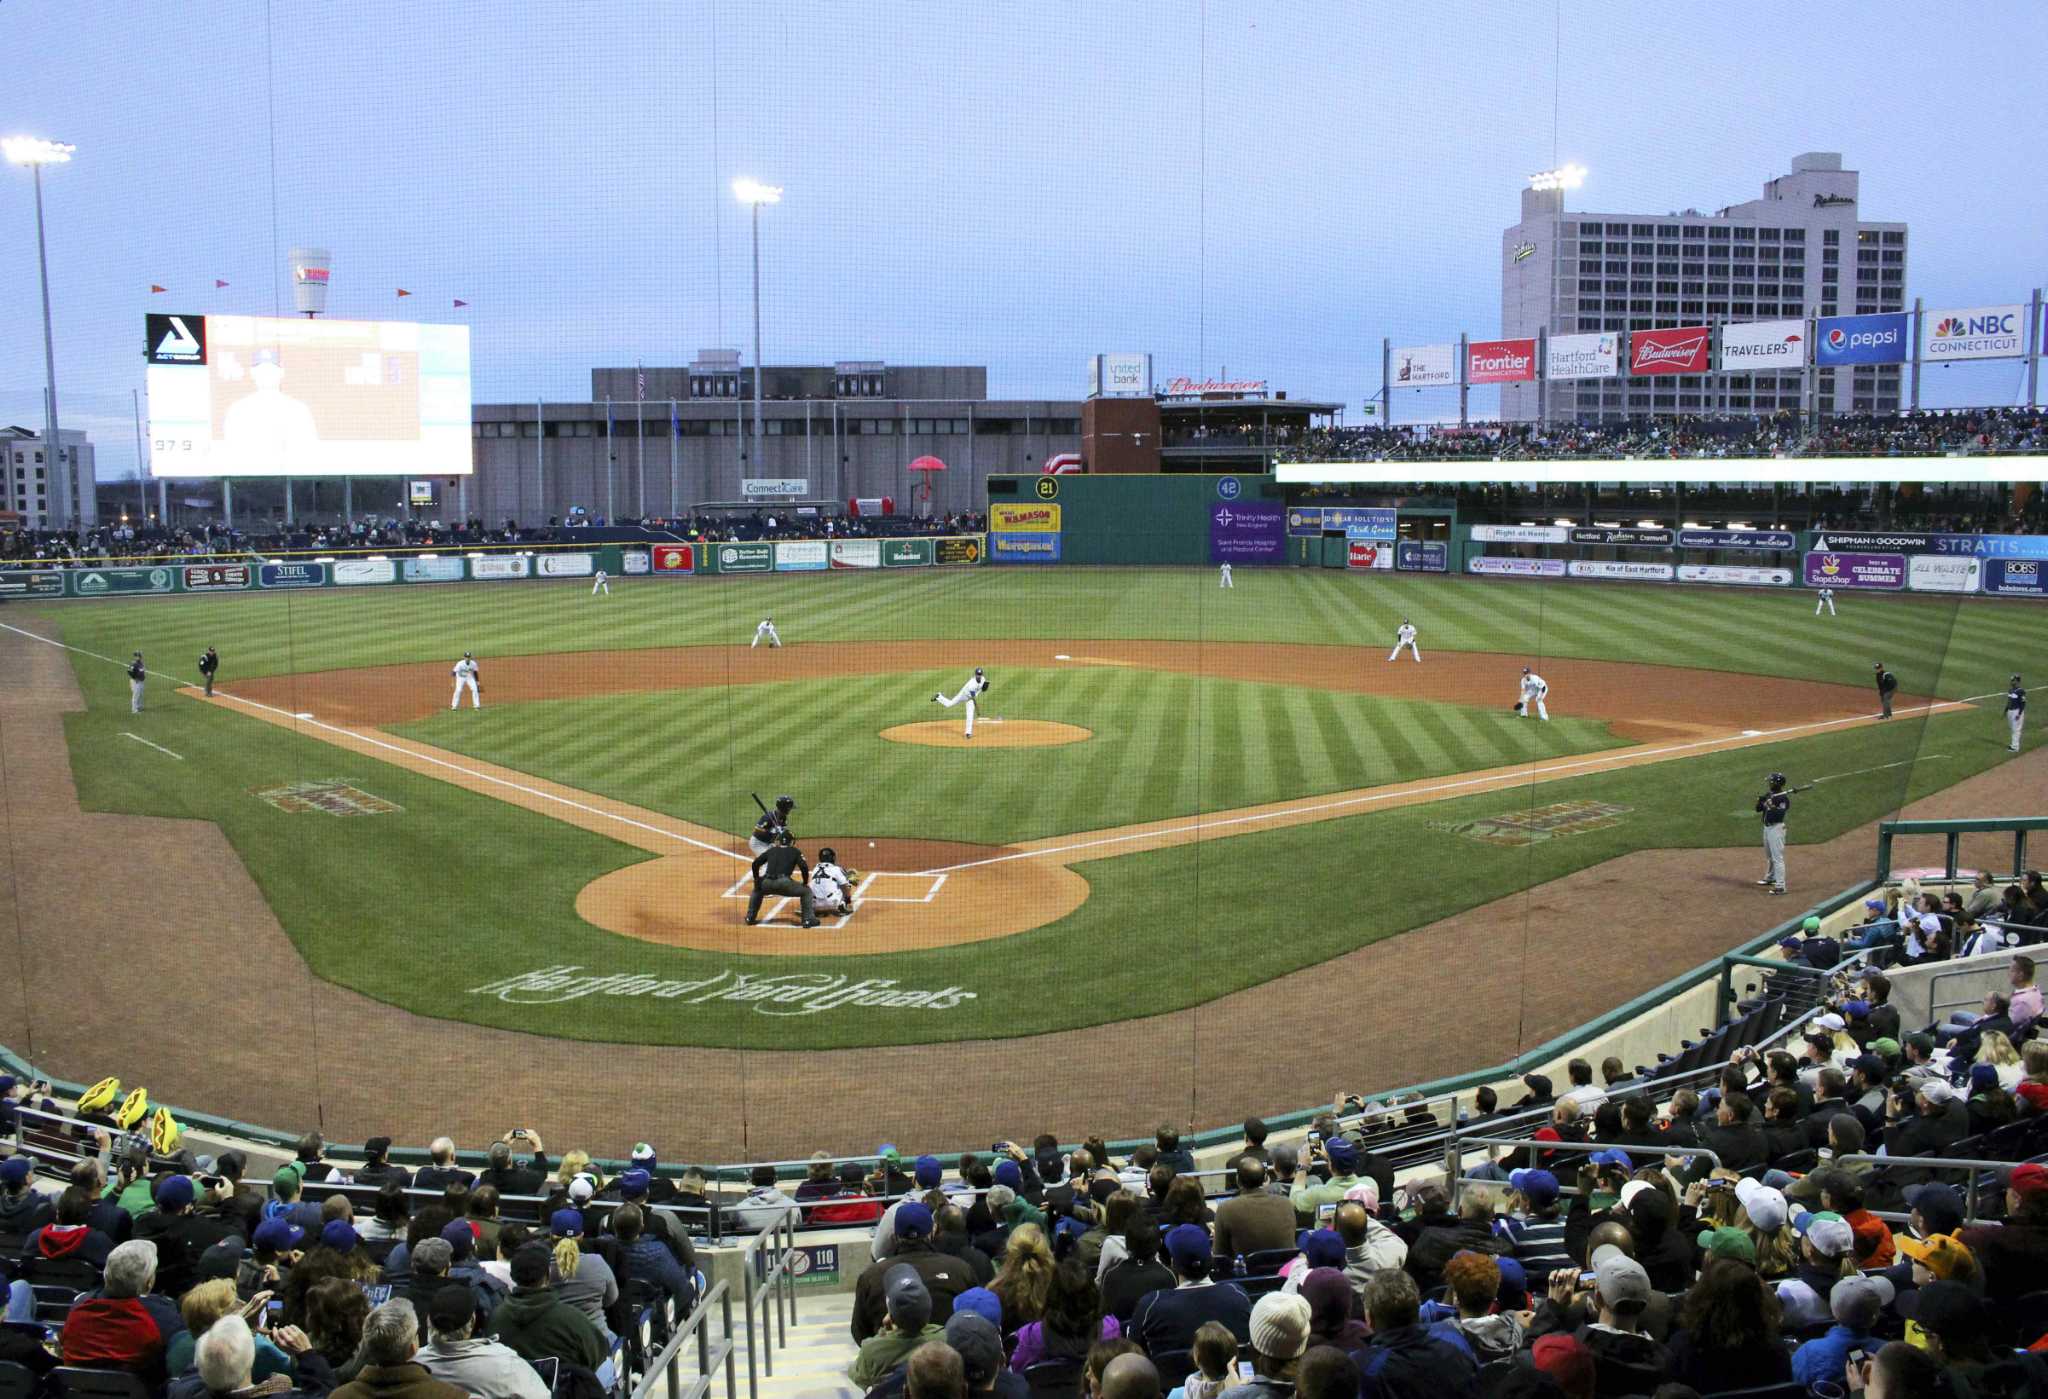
2016	713
831	890
1824	598
1405	636
1535	689
602	585
1223	577
976	683
465	678
767	629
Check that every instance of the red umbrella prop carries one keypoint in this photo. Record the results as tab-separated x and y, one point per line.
926	465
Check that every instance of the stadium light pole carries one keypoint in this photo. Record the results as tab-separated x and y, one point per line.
755	194
35	153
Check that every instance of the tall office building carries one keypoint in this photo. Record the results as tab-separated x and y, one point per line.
47	494
1800	250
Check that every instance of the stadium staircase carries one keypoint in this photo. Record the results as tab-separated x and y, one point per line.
813	1364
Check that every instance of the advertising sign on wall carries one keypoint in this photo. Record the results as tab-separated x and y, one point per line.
1422	556
1581	356
801	556
565	565
1640	537
1120	376
1368	553
354	572
636	561
31	582
101	582
1023	548
1362	522
1734	573
1763	345
500	566
956	551
1247	531
757	488
1305	521
2016	577
1867	541
1944	573
1736	539
1425	366
205	577
682	558
1673	350
1515	568
1012	519
1975	332
856	553
1500	361
907	553
292	575
1518	534
1877	339
1617	568
1839	570
433	570
743	558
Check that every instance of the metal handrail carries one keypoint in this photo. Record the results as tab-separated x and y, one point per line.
1457	1164
1950	1163
664	1366
777	1281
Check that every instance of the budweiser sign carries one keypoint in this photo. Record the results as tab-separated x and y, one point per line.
1185	387
1500	361
1678	350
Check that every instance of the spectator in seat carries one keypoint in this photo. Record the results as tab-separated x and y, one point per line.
275	1248
1368	1244
1171	1152
820	1181
949	1236
981	1357
1138	1273
764	1202
228	1361
463	1267
1735	1135
391	1367
1955	1326
1626	1360
1252	1220
1333	1308
2014	1255
1074	1320
536	1323
377	1167
180	1235
1856	1304
69	1235
1168	1319
1728	1332
1279	1333
1665	1251
244	1203
580	1277
287	1200
477	1365
2024	1007
336	1311
510	1175
426	1272
390	1214
934	1371
211	1302
944	1276
1403	1357
1471	1227
1827	1254
1024	1278
1309	1195
926	1173
1472	1283
441	1170
126	1325
1255	1140
906	1326
23	1209
1582	1090
1534	1226
648	1260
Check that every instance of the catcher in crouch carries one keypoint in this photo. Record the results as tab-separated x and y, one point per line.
831	886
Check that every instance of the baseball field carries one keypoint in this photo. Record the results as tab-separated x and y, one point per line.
1174	791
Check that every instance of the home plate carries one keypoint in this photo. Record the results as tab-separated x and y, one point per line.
1752	733
302	716
1063	656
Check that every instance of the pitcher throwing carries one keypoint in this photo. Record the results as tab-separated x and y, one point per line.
976	685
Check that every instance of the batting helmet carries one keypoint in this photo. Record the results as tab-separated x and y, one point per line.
785	803
2015	680
977	670
1777	780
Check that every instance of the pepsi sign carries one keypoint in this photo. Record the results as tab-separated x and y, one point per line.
1877	339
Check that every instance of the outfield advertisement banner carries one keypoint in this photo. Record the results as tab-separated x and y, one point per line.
1737	539
1839	570
295	575
210	577
433	570
1368	553
1018	519
954	552
1763	345
1671	350
2016	577
1425	366
1024	548
1305	522
1622	538
909	553
1247	531
564	565
492	566
31	582
762	488
356	572
1975	332
1422	556
635	561
801	556
102	582
1616	568
1519	534
1356	522
743	558
678	558
1515	568
1879	339
1944	573
856	553
1581	356
1983	546
1500	361
1734	573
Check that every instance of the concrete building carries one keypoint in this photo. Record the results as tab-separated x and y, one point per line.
1800	250
48	495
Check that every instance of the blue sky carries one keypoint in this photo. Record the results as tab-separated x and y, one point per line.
966	184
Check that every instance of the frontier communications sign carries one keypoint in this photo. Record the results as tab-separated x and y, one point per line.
1500	361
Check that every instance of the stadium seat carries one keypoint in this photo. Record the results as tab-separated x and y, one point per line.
1261	1262
1788	1390
73	1382
73	1273
1174	1366
1054	1379
16	1381
53	1304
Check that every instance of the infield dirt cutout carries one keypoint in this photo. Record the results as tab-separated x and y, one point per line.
914	894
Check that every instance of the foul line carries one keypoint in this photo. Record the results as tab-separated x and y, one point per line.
158	746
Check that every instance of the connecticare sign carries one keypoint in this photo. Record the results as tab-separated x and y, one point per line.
789	993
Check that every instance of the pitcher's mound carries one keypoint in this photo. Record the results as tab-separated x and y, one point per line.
988	733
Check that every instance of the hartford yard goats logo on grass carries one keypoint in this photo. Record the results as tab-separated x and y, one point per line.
332	795
798	993
1538	824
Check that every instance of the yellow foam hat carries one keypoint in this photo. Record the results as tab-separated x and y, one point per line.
164	1132
133	1109
100	1096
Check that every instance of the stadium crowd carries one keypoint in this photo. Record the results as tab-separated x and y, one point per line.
1628	1241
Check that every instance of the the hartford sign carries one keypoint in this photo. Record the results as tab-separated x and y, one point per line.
789	993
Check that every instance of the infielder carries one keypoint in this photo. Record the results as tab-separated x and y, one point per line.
1404	635
2015	712
1535	690
465	673
976	684
1774	806
767	629
1824	598
772	826
831	889
602	585
1223	577
136	675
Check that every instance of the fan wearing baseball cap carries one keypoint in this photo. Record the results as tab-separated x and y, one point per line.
2014	1255
1855	1304
1168	1319
944	1276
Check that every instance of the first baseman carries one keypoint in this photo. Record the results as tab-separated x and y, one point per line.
2016	711
1404	635
976	685
1535	689
767	629
465	673
772	826
137	674
1774	806
1824	598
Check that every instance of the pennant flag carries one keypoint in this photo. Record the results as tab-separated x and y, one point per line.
675	424
459	302
218	284
403	292
154	288
640	385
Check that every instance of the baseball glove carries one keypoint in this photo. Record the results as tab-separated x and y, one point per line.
1518	707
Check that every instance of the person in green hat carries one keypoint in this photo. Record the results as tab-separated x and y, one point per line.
286	1202
1727	1242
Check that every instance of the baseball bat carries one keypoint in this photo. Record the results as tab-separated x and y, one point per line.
758	802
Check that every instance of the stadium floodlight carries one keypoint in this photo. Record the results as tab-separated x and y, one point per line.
35	153
1563	178
754	194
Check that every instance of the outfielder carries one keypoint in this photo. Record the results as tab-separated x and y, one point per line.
1824	598
976	684
831	888
1404	635
1223	577
2015	712
602	585
137	674
767	629
1774	806
772	826
465	673
1535	690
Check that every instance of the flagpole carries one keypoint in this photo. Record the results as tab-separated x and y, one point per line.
675	429
611	460
640	433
